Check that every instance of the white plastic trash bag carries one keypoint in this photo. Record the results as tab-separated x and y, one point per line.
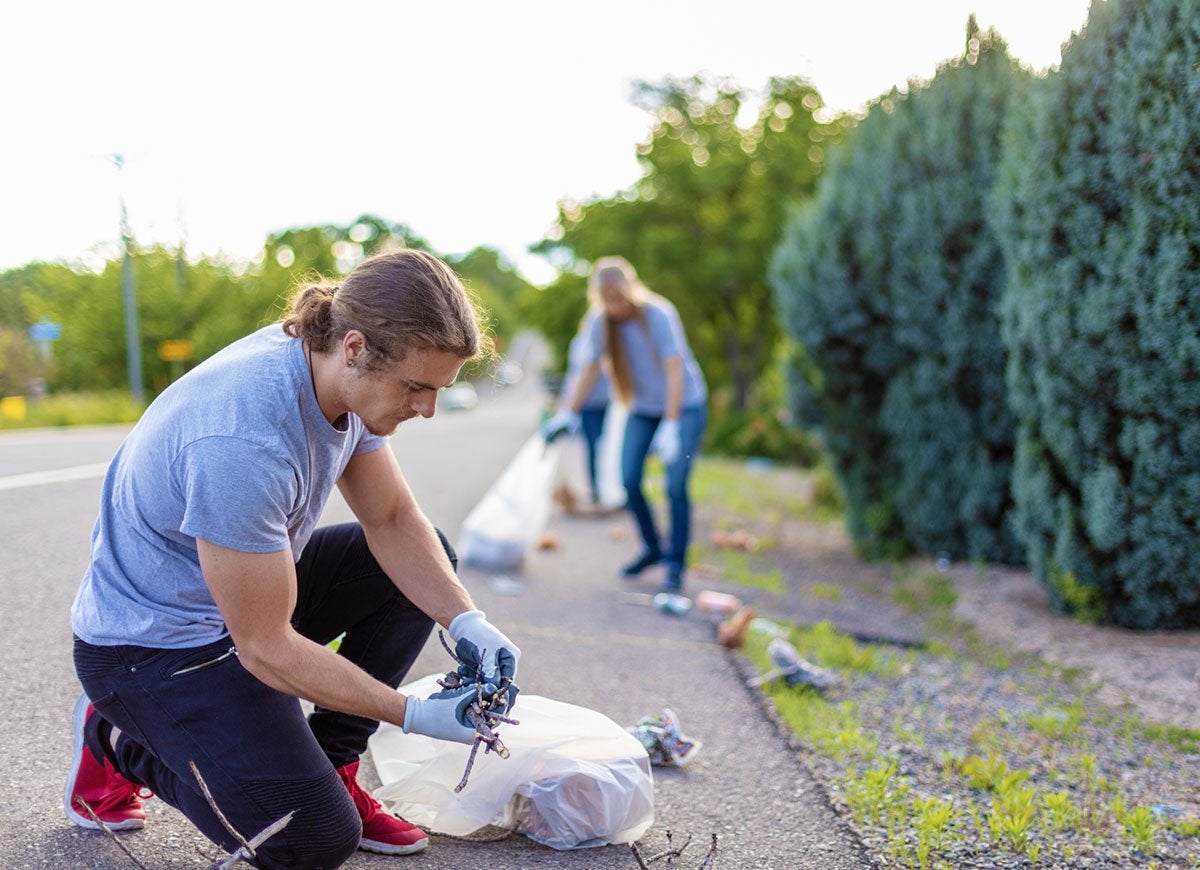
574	778
512	515
608	457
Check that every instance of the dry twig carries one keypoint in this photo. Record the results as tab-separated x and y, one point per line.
246	847
671	853
484	714
106	829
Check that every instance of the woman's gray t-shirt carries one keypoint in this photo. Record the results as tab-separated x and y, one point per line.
238	453
646	345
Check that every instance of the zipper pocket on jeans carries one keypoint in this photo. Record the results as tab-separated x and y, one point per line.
216	660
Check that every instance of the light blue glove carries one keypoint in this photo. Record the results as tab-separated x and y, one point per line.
506	666
442	715
667	443
473	626
565	422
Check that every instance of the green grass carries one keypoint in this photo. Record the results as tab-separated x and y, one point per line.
923	591
730	486
1014	809
76	409
826	591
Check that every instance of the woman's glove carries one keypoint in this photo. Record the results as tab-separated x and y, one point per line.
666	441
443	715
565	422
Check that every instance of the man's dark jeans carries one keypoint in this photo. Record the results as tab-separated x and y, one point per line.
257	753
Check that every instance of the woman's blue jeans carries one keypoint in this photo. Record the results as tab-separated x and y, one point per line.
257	753
591	423
639	435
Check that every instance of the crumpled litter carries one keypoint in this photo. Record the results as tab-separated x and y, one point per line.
664	741
795	670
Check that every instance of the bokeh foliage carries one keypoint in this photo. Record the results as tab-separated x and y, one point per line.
720	168
208	301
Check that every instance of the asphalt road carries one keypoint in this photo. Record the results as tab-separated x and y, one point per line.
582	644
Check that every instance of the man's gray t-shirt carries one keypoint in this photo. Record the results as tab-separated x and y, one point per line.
646	345
238	453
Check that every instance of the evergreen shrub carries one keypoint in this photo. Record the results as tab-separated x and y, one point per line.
890	282
1099	211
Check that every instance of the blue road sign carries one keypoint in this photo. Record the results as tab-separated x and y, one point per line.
45	330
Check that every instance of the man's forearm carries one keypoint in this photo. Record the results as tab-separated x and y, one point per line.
412	555
300	667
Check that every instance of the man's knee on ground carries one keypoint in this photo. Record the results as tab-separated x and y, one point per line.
323	833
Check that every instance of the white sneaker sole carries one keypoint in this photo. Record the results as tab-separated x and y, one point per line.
77	750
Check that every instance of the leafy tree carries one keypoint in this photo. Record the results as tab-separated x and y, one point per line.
889	283
1102	317
556	312
18	362
700	223
208	302
497	286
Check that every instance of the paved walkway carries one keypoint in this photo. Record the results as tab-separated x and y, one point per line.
585	644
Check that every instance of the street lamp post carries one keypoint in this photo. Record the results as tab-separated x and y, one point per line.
133	354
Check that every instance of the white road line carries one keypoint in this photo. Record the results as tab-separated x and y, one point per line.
57	475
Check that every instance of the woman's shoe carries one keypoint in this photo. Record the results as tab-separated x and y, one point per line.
673	582
637	566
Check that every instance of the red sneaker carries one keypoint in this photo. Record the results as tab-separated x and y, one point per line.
382	832
115	800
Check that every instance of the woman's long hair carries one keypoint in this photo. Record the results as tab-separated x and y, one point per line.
618	272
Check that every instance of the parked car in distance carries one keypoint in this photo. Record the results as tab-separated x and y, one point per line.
459	397
509	373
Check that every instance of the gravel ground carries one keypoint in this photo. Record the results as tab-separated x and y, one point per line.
986	681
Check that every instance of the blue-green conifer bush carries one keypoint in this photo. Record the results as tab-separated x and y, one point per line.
890	281
1099	210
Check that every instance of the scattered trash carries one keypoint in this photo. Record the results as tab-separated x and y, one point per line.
943	562
642	599
549	542
703	569
767	627
731	633
502	584
759	464
717	602
739	539
566	499
673	604
664	741
1162	811
794	669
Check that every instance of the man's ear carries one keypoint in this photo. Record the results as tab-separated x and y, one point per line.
354	347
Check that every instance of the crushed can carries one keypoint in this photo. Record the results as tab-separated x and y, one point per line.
672	604
664	740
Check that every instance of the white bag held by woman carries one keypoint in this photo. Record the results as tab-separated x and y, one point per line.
574	778
511	516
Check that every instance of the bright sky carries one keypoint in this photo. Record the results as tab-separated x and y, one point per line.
467	120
